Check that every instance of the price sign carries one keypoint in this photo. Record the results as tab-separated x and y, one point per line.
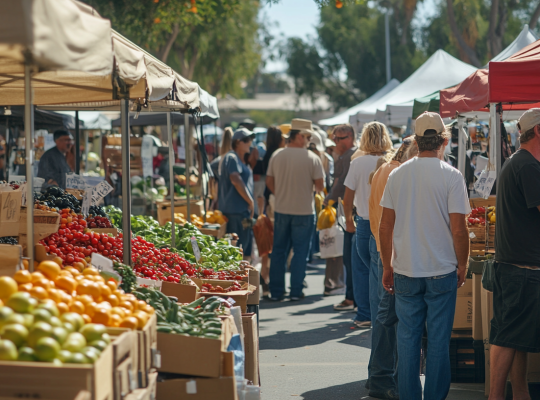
147	156
74	181
149	282
22	188
485	183
196	250
87	200
100	191
102	263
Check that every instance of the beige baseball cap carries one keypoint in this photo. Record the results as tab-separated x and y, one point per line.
429	120
529	120
302	125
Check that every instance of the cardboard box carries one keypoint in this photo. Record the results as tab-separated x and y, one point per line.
217	233
254	279
11	259
463	316
147	344
148	393
184	293
251	347
41	255
477	307
198	389
487	313
189	355
240	297
10	212
47	381
228	330
45	223
180	206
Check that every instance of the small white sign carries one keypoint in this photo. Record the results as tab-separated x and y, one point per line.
191	387
87	200
102	263
74	181
149	282
100	191
196	250
485	183
146	156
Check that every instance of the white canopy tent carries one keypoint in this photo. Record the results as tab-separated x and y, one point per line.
525	38
343	118
44	44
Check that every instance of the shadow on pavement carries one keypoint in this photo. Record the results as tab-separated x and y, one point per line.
269	305
328	309
283	340
348	391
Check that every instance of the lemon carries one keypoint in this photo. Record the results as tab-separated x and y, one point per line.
55	321
47	349
91	353
21	302
50	306
8	351
8	286
15	319
15	333
5	313
42	315
60	334
27	354
78	358
93	332
28	320
74	319
64	355
38	331
75	342
69	327
99	344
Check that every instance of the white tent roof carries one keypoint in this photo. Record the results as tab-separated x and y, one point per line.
208	104
343	118
525	38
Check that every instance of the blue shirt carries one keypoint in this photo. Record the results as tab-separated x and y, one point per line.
53	165
230	201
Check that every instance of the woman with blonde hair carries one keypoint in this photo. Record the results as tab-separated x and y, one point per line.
374	142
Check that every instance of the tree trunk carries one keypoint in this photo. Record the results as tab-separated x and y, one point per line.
168	46
469	52
534	18
498	21
409	7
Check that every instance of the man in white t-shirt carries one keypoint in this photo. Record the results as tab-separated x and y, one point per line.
425	250
293	176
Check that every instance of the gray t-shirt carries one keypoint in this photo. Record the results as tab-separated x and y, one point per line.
341	168
294	170
53	165
423	192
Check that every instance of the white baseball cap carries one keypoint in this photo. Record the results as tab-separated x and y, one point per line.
426	121
529	120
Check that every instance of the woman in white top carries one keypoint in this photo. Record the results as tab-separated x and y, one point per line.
375	142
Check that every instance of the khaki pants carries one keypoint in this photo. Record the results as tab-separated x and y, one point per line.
334	274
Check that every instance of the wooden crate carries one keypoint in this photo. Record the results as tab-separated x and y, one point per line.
180	206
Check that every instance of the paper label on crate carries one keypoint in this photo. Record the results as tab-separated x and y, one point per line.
146	156
472	235
11	206
485	183
132	381
156	355
102	263
87	200
22	188
196	250
191	387
101	190
74	181
149	282
231	301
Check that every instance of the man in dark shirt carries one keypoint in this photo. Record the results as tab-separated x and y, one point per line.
516	289
345	139
53	165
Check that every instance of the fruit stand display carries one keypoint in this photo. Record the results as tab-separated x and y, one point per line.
481	224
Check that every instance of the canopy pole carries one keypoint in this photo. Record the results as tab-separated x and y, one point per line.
86	150
29	159
171	179
77	144
6	152
203	173
387	42
498	144
492	135
126	181
188	164
462	148
215	140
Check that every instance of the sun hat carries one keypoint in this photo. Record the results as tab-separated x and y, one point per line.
317	141
302	125
426	121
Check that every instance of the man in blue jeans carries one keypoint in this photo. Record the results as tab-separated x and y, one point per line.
294	174
425	249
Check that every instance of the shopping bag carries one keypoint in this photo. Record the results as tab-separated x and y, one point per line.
264	235
488	275
331	241
327	217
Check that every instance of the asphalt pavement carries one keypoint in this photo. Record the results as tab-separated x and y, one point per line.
308	351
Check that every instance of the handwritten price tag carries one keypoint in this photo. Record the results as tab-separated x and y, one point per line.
74	181
102	263
100	191
196	250
87	200
485	183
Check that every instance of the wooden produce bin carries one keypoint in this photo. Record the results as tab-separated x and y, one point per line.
38	380
125	363
148	393
184	293
217	233
254	279
180	206
147	344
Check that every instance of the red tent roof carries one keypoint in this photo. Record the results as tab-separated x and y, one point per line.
516	79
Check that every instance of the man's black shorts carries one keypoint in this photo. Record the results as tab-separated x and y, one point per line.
516	308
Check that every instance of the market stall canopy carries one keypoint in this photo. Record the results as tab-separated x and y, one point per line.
69	47
440	71
91	119
516	80
525	38
343	118
14	116
209	106
427	103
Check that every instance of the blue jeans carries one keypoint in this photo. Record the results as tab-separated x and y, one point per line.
295	230
347	261
383	359
420	302
374	296
245	236
360	269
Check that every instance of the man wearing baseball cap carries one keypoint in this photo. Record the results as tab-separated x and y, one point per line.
236	189
516	287
424	244
293	176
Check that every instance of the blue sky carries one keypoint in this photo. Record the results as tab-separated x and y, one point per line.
298	18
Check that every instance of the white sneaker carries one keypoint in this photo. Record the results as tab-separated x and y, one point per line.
363	324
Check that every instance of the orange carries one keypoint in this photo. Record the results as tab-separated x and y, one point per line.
105	290
72	270
112	285
91	271
25	287
22	277
90	309
37	276
149	309
44	283
78	266
127	305
8	286
84	287
101	316
58	260
129	322
50	269
85	299
115	320
98	278
84	263
25	264
112	300
141	305
87	319
39	293
66	298
80	278
94	290
77	307
119	311
54	294
62	308
105	304
66	283
142	318
65	272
